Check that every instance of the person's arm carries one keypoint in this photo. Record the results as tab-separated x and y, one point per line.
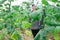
42	19
29	20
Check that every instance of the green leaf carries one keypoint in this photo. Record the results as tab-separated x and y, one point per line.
44	2
26	24
36	15
26	3
15	8
54	0
16	36
1	26
42	34
2	1
12	0
1	5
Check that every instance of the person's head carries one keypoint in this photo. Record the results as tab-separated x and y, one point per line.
33	7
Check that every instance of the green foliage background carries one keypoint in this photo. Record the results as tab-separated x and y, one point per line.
17	17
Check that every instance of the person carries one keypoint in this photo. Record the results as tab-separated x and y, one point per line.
37	25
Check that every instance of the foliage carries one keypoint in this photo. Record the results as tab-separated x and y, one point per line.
26	24
2	1
16	36
51	21
44	2
18	17
14	18
3	34
36	15
43	34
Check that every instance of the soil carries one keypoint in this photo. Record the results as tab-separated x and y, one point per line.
24	36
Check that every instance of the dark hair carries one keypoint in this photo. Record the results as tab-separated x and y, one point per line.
33	5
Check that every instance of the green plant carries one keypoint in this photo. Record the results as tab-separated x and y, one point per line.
18	17
51	21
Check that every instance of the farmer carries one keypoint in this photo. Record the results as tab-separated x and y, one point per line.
37	24
35	27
